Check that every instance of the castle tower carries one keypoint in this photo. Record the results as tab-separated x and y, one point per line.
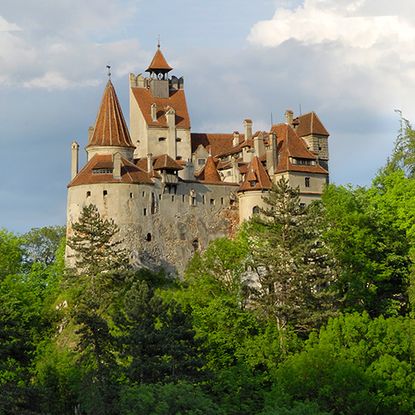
109	178
110	133
314	134
159	120
255	184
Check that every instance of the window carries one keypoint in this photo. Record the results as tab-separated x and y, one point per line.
148	237
88	193
221	201
131	195
172	198
144	193
204	199
102	171
104	193
178	139
193	200
182	198
201	162
162	139
212	201
307	182
255	210
145	212
178	157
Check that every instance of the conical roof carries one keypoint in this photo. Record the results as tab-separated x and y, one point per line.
159	63
256	177
209	173
110	127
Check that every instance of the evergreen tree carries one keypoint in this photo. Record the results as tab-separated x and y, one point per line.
101	265
293	266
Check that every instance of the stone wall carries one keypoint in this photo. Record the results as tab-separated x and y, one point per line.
160	227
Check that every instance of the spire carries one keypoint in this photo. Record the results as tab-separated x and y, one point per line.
159	63
256	177
210	172
110	127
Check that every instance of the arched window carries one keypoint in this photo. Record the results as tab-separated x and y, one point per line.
255	210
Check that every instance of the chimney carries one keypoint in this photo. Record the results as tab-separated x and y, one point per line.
74	159
150	162
248	129
289	115
235	141
153	112
171	136
271	155
235	170
259	145
116	172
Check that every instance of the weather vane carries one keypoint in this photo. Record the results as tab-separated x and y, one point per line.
109	71
158	41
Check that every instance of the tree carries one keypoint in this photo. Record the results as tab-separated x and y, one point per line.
157	338
40	244
10	254
403	156
94	243
295	270
101	264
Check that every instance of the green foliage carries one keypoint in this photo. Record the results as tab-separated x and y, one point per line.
10	254
356	365
372	250
94	243
41	244
169	399
294	268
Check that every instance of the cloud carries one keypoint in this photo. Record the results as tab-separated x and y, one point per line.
68	49
318	21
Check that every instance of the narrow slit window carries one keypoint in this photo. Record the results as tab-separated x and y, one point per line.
105	192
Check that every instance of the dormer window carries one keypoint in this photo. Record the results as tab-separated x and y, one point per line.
105	170
253	183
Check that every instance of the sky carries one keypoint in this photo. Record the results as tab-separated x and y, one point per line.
350	61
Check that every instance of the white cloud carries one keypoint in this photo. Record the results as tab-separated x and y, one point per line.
6	26
318	21
70	47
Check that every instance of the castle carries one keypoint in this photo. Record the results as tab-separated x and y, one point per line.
172	191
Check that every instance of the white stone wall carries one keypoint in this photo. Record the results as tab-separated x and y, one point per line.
178	224
297	179
247	201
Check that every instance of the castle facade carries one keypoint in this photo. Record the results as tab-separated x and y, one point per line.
172	191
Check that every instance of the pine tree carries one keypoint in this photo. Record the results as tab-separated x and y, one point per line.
293	266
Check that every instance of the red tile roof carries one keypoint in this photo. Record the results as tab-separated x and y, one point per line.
130	173
176	100
209	172
165	162
256	177
110	127
159	63
290	145
215	143
310	124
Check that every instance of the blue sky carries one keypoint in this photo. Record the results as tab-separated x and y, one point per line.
351	61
